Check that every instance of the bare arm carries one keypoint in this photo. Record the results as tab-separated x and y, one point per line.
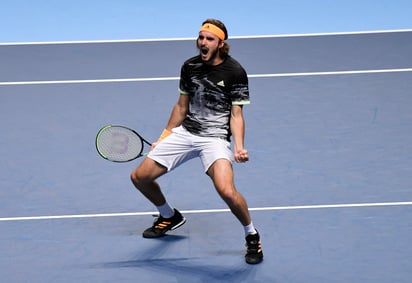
176	117
179	112
237	127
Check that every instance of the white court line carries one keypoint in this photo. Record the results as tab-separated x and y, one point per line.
90	81
274	75
299	207
331	73
194	38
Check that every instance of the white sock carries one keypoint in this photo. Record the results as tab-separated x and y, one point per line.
250	229
165	210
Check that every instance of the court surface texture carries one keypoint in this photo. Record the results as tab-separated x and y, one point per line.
329	132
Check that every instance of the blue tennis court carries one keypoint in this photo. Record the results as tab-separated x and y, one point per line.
329	131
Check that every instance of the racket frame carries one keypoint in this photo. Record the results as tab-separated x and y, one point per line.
142	140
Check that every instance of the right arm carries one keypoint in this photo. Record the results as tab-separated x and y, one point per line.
176	117
179	112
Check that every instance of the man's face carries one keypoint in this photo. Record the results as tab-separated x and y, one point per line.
209	45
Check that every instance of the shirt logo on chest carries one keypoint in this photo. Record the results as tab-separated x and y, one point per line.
221	83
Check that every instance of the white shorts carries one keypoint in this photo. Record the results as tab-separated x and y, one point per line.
182	146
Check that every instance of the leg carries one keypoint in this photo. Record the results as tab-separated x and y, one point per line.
173	150
143	178
221	173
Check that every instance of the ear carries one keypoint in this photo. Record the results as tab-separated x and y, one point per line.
221	44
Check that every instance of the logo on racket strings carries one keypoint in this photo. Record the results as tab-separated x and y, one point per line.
119	143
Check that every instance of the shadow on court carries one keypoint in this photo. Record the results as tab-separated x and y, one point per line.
191	269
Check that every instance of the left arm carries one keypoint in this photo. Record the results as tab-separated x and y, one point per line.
237	127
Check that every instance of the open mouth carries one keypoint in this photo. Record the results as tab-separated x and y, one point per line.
204	51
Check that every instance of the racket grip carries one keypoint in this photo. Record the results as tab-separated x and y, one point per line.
164	135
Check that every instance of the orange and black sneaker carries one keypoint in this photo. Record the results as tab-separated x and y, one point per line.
254	252
162	225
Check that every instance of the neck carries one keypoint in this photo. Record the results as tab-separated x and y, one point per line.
215	61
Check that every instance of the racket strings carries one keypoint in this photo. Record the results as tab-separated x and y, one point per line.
118	143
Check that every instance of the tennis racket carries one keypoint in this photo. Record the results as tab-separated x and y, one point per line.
119	143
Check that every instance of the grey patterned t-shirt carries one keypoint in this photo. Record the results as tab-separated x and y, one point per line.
212	90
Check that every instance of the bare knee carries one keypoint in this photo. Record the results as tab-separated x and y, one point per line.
139	179
135	177
229	195
147	172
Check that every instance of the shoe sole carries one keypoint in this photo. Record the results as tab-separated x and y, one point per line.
255	260
178	224
164	233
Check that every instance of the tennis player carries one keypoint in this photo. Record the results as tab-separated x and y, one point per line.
213	89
